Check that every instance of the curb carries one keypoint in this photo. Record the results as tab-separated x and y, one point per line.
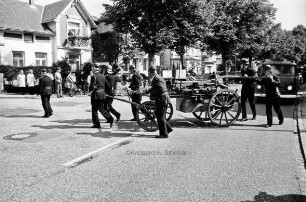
300	126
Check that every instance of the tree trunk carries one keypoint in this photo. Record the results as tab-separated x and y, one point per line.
250	62
224	63
182	63
151	59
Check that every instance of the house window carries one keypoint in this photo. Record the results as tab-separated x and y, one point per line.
18	59
74	61
41	59
42	38
28	38
73	29
12	35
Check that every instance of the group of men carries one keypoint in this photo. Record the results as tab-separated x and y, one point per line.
103	89
271	83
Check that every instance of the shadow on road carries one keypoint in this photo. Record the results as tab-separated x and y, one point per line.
263	196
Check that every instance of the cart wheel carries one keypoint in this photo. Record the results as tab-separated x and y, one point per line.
224	107
169	111
146	117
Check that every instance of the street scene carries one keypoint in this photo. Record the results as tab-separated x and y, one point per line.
133	100
198	162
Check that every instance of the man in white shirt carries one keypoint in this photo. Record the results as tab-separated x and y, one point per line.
31	81
58	82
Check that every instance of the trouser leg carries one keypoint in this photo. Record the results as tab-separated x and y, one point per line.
243	104
94	114
251	99
277	109
50	110
160	113
137	99
44	101
105	112
269	112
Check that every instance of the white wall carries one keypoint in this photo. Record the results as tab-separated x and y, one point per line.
29	50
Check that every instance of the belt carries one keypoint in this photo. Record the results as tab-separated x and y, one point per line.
48	87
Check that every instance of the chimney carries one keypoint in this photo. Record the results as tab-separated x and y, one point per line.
31	2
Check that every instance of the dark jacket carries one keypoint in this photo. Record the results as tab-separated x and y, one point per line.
135	81
111	88
45	85
158	89
270	86
249	81
99	83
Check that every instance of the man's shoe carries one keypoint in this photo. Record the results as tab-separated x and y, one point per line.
134	119
267	126
111	124
244	119
164	136
118	117
45	116
254	118
95	126
281	122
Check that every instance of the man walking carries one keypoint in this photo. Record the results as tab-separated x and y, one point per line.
248	91
134	88
45	84
158	93
98	97
111	90
271	83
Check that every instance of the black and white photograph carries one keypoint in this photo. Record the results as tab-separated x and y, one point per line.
152	100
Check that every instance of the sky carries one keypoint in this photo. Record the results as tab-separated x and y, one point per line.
290	13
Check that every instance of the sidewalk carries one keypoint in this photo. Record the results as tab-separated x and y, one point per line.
301	123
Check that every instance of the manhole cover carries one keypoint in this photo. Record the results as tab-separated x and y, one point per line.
19	136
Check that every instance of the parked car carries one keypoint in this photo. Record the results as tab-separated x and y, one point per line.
290	78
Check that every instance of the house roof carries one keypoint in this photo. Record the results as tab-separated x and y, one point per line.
17	15
51	11
20	16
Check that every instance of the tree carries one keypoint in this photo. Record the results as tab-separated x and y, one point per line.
255	18
222	38
143	21
189	23
106	46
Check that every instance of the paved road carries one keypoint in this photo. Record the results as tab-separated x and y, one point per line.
199	162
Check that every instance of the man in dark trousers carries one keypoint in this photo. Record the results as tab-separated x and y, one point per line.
98	97
45	91
134	89
111	90
271	83
158	93
248	91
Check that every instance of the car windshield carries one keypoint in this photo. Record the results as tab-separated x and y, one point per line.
283	70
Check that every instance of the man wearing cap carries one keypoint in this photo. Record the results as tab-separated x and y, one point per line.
271	83
158	93
248	91
98	96
111	89
134	88
45	84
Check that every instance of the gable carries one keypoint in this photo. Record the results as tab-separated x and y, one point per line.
52	11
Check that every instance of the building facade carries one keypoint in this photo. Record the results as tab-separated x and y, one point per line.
35	35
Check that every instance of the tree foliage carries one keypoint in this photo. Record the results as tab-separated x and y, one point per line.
239	26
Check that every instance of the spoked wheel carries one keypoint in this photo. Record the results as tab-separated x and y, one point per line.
146	117
224	107
169	112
